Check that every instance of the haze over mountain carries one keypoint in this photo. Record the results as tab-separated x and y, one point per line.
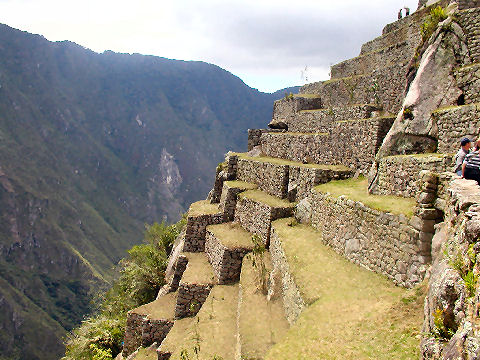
92	146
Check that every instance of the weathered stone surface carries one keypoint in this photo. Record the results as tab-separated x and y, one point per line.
285	110
398	175
433	86
382	242
228	200
197	221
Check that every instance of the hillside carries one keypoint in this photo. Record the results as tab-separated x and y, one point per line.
92	146
344	226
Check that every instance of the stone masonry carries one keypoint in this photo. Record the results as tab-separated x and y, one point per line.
195	230
228	200
382	242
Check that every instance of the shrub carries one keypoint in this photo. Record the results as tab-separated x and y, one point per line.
141	275
430	24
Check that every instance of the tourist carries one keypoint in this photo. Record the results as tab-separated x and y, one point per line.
465	145
471	164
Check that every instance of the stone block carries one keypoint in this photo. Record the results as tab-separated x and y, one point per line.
423	225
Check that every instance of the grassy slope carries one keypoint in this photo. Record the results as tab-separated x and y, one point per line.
358	314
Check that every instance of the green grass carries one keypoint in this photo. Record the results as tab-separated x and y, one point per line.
264	198
307	96
278	161
232	235
214	328
240	185
262	323
146	354
356	189
203	207
355	314
199	270
163	308
176	334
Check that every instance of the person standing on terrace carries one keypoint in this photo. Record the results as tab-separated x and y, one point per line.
471	164
465	145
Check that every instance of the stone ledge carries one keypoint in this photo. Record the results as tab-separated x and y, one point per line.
256	210
195	285
380	241
200	215
225	246
175	338
399	52
228	200
468	79
398	175
149	323
454	123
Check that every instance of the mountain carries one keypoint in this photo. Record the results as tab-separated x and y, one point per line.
92	146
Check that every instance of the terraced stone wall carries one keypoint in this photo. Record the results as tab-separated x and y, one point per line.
352	143
398	175
468	79
254	137
271	178
469	20
385	86
284	110
141	331
385	243
196	228
454	124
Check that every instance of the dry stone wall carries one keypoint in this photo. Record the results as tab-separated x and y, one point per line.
190	299
469	20
228	201
382	242
468	79
398	53
284	110
196	228
398	175
271	178
226	262
351	143
142	331
454	124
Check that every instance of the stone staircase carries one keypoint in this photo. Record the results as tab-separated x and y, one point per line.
250	268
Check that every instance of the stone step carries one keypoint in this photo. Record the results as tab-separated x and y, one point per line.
384	87
228	199
397	175
321	120
149	353
468	79
366	63
382	233
276	176
175	337
351	143
226	245
213	332
342	303
195	285
261	319
454	123
256	210
149	323
200	215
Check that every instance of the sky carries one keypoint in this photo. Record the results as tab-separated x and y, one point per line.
267	43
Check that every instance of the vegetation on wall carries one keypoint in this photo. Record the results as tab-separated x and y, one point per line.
141	275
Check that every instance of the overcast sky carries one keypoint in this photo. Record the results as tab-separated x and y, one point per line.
267	43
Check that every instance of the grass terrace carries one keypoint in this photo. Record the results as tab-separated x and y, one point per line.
357	190
162	308
240	185
202	207
199	270
354	313
366	119
146	354
264	198
232	235
213	332
421	156
176	334
307	96
279	161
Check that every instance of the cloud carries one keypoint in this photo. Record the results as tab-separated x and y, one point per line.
265	42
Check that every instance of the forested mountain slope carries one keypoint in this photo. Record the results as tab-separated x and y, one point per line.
92	146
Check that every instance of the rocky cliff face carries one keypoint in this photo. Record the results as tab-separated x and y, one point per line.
92	146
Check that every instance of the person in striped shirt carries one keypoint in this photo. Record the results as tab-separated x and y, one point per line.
471	164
